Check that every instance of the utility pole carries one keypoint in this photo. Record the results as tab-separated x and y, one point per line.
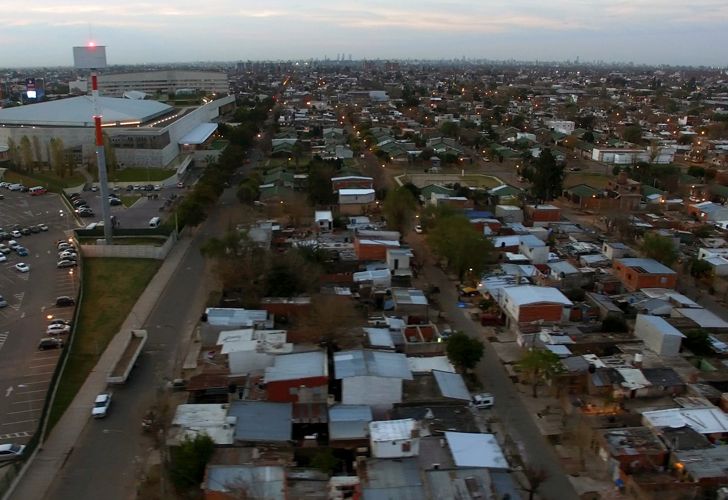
93	57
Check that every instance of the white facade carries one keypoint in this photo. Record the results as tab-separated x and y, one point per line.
620	156
564	126
164	82
356	196
658	335
394	438
377	392
509	213
535	249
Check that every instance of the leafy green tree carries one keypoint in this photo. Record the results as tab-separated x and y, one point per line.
660	248
464	351
320	191
325	461
13	151
450	129
454	239
547	177
37	151
697	342
699	268
399	208
189	460
539	365
248	192
191	213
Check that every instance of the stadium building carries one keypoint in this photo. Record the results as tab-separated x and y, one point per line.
142	132
171	82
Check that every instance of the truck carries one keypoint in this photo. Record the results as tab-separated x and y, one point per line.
134	344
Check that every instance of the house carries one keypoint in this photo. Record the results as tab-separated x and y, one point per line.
528	303
228	482
371	377
638	273
351	182
192	420
708	211
349	425
324	220
708	468
394	438
709	421
504	193
509	213
542	215
614	250
476	450
410	302
372	249
534	249
354	201
631	449
398	261
658	335
301	377
278	418
581	194
620	156
391	479
248	350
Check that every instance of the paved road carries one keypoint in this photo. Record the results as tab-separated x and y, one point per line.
24	371
110	454
510	409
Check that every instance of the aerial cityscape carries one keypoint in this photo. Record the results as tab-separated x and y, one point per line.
451	250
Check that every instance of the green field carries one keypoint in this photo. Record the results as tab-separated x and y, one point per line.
140	174
111	288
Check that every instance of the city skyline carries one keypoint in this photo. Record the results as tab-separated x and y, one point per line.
641	31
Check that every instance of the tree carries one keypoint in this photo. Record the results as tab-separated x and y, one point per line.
325	461
248	192
13	151
536	477
37	151
398	208
632	134
700	268
57	156
698	342
26	153
547	177
465	250
660	248
320	191
464	351
540	365
450	129
189	460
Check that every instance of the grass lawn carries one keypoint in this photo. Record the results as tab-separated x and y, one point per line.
594	180
111	288
140	175
128	201
44	178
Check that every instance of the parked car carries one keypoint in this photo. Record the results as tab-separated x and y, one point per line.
65	301
11	451
34	229
26	231
67	254
114	202
483	401
16	234
418	229
50	343
59	321
43	227
66	263
22	267
4	249
3	258
21	251
58	329
101	405
87	212
3	302
15	187
13	244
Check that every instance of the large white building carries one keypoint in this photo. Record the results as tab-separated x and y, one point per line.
164	82
143	133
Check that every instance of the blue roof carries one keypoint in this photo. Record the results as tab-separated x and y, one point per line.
478	214
262	420
349	421
451	385
199	134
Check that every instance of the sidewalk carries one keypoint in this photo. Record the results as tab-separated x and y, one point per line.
38	474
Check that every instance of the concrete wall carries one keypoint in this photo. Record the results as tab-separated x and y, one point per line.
130	251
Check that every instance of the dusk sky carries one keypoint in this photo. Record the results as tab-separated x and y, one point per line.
42	32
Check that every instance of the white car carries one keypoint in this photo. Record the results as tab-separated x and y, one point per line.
101	405
3	258
58	329
22	267
418	229
4	249
15	187
67	254
13	244
16	234
11	451
483	401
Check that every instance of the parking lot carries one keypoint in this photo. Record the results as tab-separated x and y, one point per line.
149	204
25	371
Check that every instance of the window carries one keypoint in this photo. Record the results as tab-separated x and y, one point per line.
406	446
663	280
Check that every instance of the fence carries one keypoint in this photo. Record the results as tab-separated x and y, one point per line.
131	251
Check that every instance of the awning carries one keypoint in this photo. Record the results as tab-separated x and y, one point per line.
199	134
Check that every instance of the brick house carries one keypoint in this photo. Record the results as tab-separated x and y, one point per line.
528	303
638	273
301	377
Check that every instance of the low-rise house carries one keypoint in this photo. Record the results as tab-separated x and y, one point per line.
301	377
708	211
370	248
351	182
349	425
710	421
476	450
394	438
536	250
509	213
658	335
372	378
614	250
398	261
355	201
248	350
192	420
229	482
529	304
638	273
387	478
631	450
323	220
410	302
278	419
708	468
542	215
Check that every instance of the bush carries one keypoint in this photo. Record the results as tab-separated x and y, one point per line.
189	460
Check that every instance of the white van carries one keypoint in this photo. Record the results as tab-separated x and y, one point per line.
154	222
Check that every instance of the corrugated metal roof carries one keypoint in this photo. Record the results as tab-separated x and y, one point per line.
296	366
528	294
451	385
199	134
219	316
393	480
363	363
649	265
268	481
476	450
262	420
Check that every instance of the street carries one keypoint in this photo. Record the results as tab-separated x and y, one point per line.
511	411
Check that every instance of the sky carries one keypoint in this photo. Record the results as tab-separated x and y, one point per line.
42	32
